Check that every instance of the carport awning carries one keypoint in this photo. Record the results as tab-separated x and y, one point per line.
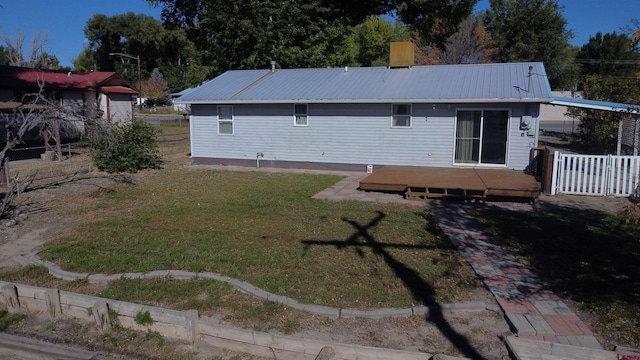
594	105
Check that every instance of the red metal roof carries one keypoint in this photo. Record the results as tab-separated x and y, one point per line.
117	90
27	78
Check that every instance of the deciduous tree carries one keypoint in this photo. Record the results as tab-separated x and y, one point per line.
170	51
533	30
471	44
17	53
368	43
299	33
610	63
599	129
609	54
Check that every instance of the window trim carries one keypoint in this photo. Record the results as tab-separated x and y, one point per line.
218	120
296	114
394	114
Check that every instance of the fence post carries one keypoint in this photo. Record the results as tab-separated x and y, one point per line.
554	173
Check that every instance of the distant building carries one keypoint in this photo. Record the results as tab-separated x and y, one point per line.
105	95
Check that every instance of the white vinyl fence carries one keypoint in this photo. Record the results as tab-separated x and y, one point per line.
595	174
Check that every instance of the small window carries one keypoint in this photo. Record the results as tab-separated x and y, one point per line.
301	117
225	120
401	115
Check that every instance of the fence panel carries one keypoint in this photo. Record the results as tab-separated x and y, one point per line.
595	174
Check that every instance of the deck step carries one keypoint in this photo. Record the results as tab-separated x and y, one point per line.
431	192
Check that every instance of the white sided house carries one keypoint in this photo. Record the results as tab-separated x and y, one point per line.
482	115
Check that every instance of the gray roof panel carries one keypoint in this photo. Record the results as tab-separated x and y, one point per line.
434	83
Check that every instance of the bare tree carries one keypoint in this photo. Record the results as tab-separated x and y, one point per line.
33	55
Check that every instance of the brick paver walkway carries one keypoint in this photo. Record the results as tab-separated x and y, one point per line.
532	310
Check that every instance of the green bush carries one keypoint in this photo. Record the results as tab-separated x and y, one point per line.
124	147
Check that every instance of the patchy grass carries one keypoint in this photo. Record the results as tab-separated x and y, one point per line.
7	319
588	256
267	230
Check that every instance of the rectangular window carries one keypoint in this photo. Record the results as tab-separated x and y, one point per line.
481	137
401	116
225	120
300	114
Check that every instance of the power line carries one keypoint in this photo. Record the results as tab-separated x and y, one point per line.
607	61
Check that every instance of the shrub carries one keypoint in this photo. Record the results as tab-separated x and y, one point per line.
126	147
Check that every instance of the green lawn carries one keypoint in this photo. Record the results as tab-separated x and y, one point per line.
267	230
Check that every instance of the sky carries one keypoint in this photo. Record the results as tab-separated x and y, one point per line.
63	21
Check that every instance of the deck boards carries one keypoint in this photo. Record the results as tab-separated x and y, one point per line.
428	182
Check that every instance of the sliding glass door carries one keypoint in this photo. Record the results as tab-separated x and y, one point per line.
481	137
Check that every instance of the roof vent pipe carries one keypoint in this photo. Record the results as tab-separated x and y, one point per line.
346	69
273	66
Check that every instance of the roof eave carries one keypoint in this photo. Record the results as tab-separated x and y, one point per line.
365	101
594	105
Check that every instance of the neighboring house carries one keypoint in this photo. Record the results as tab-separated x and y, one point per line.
180	106
95	94
347	118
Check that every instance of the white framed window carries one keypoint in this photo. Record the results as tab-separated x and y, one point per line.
300	115
225	120
401	115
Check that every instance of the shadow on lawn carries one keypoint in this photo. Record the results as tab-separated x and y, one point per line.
420	289
587	255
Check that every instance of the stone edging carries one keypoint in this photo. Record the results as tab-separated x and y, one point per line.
56	271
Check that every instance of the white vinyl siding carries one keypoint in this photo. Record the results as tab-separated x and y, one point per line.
343	133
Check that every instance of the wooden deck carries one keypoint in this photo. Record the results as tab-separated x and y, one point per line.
431	182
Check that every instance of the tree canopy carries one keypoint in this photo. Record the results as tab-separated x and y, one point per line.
610	63
471	44
610	54
368	43
298	33
168	51
533	30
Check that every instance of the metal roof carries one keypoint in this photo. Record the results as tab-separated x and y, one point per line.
490	83
594	105
15	77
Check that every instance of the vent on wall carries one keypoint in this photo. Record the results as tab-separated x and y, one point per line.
401	54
